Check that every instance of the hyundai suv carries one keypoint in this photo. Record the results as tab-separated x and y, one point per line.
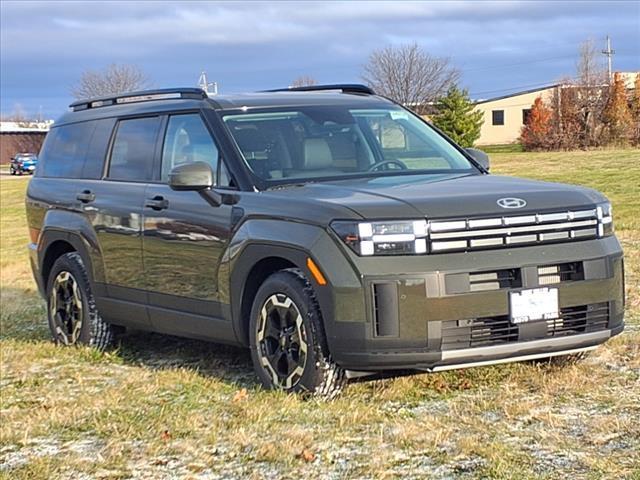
330	230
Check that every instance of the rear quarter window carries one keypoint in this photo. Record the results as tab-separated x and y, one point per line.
64	150
76	151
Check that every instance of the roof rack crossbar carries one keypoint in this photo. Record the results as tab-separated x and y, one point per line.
139	96
343	87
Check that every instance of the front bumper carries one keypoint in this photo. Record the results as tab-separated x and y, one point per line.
438	319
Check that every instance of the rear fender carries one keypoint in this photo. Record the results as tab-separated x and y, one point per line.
75	229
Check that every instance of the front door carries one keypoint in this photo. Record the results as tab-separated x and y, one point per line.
184	239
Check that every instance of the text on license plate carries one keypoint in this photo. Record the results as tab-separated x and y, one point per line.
533	304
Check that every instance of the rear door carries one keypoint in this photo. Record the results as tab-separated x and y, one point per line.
116	204
185	238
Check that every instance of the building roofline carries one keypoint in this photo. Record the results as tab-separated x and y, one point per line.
522	92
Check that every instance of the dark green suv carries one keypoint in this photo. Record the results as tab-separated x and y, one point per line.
330	230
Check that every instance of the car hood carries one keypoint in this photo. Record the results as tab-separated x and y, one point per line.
443	196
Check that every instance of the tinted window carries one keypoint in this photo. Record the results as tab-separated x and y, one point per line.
94	160
133	149
525	115
64	150
187	140
497	117
334	141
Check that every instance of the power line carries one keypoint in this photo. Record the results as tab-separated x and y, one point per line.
500	90
518	64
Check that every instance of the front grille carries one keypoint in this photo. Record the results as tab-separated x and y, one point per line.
512	231
484	332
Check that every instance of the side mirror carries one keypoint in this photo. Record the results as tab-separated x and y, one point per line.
480	157
195	176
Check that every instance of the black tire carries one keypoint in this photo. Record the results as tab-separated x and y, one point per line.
71	308
294	358
12	171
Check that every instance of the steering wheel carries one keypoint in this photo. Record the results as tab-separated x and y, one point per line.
377	165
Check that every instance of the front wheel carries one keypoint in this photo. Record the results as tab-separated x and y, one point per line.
71	308
288	343
12	170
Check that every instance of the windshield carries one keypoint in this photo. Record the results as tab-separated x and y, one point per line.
329	142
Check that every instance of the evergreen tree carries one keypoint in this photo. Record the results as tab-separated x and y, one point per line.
535	134
617	115
457	118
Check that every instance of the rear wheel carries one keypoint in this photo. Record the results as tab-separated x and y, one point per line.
71	309
288	343
12	170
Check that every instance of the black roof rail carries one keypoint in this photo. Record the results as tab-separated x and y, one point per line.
139	96
343	87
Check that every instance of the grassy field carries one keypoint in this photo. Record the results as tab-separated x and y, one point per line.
161	407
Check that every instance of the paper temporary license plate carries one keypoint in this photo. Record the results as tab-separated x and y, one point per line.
534	304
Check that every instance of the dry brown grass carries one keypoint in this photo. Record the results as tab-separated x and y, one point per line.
161	407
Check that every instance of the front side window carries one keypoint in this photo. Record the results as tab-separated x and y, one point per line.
187	140
133	149
327	142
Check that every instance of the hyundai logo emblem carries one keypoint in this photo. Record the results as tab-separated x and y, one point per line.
511	202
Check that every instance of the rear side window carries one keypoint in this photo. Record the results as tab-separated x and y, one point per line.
133	149
94	160
64	150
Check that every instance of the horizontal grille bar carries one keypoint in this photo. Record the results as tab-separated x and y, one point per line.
499	232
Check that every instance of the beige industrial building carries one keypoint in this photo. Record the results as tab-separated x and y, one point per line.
504	116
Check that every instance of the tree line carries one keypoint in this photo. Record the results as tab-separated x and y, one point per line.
584	112
589	111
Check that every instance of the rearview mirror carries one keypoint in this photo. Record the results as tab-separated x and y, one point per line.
480	157
196	176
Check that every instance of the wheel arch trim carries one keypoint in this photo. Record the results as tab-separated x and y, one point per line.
78	233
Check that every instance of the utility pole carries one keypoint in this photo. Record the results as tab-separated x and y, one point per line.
609	53
210	88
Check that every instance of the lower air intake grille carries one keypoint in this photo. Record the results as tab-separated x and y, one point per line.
564	272
483	332
508	278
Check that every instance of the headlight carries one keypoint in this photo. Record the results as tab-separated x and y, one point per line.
605	219
404	237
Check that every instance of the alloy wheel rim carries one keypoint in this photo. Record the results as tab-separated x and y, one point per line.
65	308
282	341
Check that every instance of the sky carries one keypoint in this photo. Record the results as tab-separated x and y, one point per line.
500	47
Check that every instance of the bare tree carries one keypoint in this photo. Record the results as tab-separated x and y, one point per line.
590	72
113	79
18	116
409	75
591	94
304	81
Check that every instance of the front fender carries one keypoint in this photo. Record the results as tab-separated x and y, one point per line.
295	242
